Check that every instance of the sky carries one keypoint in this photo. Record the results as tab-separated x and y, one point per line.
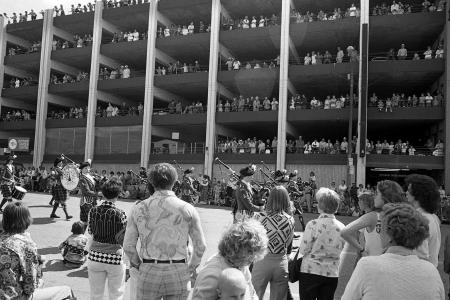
17	6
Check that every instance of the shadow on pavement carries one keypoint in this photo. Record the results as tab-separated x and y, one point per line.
30	206
49	250
79	273
42	221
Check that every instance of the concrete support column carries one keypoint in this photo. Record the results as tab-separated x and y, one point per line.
212	87
44	80
93	80
149	84
447	98
363	93
2	56
284	82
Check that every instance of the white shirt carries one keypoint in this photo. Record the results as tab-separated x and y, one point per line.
395	275
429	250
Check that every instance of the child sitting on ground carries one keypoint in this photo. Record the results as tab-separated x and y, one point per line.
232	285
73	248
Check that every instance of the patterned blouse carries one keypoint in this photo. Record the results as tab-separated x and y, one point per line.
321	246
280	230
20	270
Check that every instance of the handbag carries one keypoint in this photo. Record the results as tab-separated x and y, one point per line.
294	268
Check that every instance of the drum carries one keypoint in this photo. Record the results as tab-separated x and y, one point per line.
71	176
18	192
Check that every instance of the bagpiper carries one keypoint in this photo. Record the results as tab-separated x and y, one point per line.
59	193
8	181
296	195
243	206
187	186
89	195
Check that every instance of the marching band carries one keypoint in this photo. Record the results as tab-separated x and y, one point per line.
59	192
8	181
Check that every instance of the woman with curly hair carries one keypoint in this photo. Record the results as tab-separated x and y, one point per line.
423	193
398	273
241	245
280	230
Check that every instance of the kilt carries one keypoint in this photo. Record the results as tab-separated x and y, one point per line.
158	280
7	190
59	193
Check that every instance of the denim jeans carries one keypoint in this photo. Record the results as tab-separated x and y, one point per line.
99	273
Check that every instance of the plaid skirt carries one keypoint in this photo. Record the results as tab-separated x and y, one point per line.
59	193
84	211
7	190
158	280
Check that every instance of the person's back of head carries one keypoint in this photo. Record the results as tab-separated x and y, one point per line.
367	202
327	200
78	228
112	189
423	190
163	176
232	285
402	225
16	218
278	200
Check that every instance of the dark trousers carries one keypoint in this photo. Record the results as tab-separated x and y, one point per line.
316	287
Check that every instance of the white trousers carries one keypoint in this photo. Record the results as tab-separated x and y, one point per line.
99	273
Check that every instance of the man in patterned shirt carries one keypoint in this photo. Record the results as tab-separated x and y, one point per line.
164	223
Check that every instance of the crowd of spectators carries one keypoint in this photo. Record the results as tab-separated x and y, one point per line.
183	30
402	54
249	145
302	102
234	64
399	8
16	115
337	14
400	100
317	58
122	72
102	112
175	107
19	82
180	68
128	36
246	23
247	104
327	146
66	78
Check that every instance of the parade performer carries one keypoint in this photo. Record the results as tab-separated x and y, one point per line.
204	186
8	181
243	207
296	195
187	186
59	193
89	195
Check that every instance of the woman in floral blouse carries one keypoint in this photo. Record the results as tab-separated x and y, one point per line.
321	247
20	264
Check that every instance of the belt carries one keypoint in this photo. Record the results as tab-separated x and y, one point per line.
155	261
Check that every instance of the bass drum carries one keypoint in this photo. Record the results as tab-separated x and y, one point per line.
70	177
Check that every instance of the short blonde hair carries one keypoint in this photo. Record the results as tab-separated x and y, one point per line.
279	200
327	200
244	243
